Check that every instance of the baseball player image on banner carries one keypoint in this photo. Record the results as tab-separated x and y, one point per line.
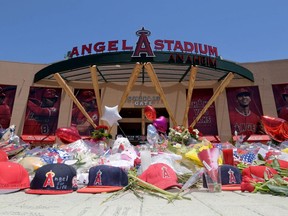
7	96
42	111
280	92
88	100
245	110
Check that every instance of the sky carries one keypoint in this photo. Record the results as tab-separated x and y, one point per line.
34	31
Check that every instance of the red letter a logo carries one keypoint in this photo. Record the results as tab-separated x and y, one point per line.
49	179
143	44
98	179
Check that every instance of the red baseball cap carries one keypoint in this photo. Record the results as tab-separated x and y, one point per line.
3	156
87	96
105	178
242	91
160	175
13	177
258	172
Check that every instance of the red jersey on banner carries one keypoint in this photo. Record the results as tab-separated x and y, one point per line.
5	113
4	116
244	124
42	116
88	101
81	123
283	113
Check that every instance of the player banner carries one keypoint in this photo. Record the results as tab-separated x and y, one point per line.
42	111
207	124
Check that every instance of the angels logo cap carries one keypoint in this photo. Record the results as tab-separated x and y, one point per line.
13	177
54	179
160	175
231	178
105	178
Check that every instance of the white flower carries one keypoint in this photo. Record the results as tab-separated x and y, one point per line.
196	131
177	145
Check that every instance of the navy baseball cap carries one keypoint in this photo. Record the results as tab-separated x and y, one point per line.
54	179
231	178
105	178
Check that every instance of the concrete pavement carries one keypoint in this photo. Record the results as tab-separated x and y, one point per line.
202	203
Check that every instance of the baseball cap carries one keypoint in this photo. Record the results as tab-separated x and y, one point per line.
242	92
231	178
13	177
3	156
54	179
105	178
258	172
87	96
160	175
50	93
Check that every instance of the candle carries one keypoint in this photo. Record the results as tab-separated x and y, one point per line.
145	159
228	156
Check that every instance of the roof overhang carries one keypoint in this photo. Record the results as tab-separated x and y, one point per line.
118	66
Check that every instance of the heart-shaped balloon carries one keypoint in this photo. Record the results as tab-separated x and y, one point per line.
150	113
68	134
276	128
152	134
161	124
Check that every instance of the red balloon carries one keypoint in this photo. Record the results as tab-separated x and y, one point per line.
150	113
277	128
68	134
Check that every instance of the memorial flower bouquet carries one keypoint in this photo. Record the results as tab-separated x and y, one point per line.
101	133
182	135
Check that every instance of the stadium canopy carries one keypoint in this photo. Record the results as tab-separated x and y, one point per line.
118	67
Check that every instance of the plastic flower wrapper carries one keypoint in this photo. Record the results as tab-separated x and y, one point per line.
209	158
192	153
173	160
247	153
11	143
54	155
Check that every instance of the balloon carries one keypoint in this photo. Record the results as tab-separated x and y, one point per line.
152	134
161	124
111	115
277	128
150	113
68	134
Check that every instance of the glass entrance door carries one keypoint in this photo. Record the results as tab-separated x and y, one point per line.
133	124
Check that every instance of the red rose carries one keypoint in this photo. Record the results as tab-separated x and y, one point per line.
247	186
